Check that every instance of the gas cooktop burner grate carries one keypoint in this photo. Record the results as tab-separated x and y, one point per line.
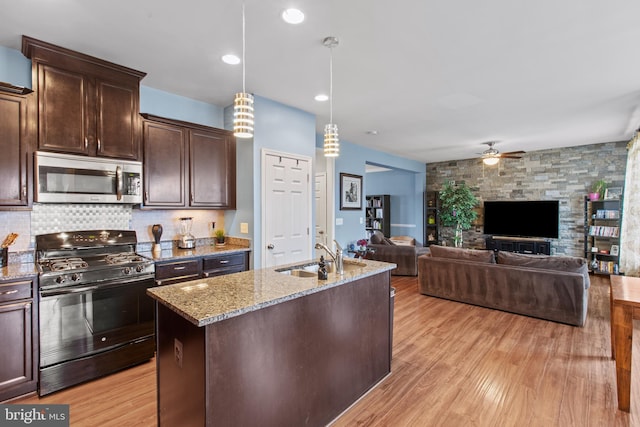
67	264
123	258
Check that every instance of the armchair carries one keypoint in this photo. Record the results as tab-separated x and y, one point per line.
404	256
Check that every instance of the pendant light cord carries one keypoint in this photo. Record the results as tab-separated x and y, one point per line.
243	51
331	84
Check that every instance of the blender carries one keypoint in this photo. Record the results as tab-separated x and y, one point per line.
186	240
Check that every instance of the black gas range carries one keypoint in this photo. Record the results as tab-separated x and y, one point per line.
95	316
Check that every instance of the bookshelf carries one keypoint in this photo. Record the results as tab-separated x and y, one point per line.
378	214
432	220
602	220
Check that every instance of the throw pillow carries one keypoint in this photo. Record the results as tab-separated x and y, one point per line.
460	253
377	238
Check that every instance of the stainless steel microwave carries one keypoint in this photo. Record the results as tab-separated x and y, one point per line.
65	178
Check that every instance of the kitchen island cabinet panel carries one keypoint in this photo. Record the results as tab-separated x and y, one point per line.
298	362
15	146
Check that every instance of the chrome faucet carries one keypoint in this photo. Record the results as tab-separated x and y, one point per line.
337	257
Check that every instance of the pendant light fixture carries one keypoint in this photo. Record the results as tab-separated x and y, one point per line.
243	101
331	142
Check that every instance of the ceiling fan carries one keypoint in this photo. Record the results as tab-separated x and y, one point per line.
491	156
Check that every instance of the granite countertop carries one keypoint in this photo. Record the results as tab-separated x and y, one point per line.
199	251
210	300
18	271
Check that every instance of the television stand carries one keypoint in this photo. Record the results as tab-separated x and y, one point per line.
521	245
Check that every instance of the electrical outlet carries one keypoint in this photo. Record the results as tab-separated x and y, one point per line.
177	352
244	227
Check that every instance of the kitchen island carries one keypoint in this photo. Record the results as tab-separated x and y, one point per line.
266	348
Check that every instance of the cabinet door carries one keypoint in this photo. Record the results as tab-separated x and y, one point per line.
66	115
164	165
13	145
17	373
212	169
118	123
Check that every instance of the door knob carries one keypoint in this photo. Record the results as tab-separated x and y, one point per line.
270	246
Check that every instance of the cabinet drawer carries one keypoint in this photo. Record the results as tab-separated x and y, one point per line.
222	261
178	270
12	291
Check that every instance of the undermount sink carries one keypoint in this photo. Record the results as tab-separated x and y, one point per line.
311	269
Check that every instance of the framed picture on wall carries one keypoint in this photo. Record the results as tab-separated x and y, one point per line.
350	192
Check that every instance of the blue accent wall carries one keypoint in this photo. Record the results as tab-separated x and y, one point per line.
165	104
406	187
15	68
278	127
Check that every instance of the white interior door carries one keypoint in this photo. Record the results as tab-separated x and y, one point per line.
286	220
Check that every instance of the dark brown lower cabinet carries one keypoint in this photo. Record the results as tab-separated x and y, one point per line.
300	362
18	338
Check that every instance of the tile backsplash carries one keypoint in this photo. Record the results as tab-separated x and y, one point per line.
53	218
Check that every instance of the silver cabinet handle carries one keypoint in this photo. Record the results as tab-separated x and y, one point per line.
179	268
11	292
225	261
270	246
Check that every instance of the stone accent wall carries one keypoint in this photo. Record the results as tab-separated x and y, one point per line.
563	174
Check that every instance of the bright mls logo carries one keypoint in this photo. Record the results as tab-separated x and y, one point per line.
34	415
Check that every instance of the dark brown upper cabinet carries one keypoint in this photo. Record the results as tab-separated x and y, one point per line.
86	105
15	146
188	165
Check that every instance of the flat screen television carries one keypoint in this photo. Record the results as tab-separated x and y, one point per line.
522	218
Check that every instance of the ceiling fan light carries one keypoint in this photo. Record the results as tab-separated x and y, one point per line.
490	161
331	140
243	115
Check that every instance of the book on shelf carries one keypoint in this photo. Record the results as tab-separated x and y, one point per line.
607	214
604	231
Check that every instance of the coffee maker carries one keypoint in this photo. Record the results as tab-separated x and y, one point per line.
186	240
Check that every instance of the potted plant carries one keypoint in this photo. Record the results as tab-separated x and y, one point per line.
456	209
219	235
597	189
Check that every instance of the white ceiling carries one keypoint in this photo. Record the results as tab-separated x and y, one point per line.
434	78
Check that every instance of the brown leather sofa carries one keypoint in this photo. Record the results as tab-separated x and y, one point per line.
404	256
548	287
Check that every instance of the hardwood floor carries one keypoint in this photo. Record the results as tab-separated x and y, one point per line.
453	365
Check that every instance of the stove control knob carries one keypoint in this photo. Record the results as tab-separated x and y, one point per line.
127	270
75	277
60	279
139	268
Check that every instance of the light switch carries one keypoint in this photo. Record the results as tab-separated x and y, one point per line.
244	227
361	220
339	221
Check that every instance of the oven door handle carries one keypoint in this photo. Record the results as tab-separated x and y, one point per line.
67	291
76	290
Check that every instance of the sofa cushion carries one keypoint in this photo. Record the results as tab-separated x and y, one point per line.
569	264
460	253
559	263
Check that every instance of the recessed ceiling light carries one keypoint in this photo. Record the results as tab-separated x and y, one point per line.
322	97
230	59
372	132
293	16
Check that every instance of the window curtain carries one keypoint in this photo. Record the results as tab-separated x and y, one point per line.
630	233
